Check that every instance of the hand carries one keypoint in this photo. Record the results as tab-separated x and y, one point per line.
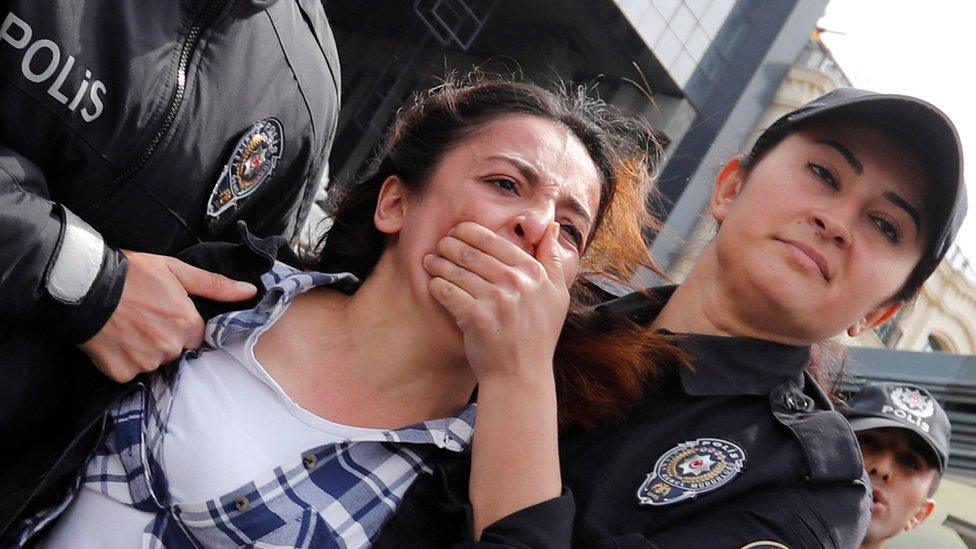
509	305
155	319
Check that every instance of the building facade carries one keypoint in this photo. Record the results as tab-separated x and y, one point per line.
697	70
943	316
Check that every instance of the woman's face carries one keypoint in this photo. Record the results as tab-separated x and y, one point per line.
515	175
823	231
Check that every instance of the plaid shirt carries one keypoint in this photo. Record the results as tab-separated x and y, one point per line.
335	495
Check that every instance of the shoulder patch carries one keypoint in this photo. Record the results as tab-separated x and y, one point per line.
691	468
252	162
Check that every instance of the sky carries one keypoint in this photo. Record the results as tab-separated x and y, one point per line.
924	48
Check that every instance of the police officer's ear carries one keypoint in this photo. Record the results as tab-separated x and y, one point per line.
923	512
391	206
878	316
728	185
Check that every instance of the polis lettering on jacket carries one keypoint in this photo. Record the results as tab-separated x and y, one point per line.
42	62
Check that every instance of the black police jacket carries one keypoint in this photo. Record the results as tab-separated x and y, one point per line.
147	125
743	450
748	446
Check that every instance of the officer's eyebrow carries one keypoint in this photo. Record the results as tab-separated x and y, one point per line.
846	153
897	200
923	450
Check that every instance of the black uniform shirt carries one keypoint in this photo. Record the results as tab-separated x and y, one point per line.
744	448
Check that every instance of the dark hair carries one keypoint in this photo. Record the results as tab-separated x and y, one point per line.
599	371
770	138
437	121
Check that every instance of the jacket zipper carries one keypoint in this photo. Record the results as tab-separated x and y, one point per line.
190	43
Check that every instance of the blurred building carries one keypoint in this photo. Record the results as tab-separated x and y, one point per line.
943	317
700	71
814	73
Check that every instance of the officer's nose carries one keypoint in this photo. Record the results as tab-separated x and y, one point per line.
831	226
880	466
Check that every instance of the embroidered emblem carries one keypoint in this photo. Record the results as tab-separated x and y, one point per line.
251	164
691	468
912	401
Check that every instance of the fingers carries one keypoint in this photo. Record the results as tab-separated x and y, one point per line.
460	304
546	254
467	257
210	285
122	361
478	236
468	281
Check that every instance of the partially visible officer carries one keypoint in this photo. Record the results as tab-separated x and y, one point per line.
129	131
904	438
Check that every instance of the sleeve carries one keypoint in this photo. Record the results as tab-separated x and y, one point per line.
834	516
55	269
548	524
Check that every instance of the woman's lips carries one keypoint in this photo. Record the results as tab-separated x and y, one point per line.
808	254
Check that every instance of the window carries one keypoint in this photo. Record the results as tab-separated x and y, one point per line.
935	344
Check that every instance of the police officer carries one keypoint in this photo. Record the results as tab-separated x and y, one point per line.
129	131
904	437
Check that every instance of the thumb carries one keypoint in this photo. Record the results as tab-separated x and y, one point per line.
547	254
210	285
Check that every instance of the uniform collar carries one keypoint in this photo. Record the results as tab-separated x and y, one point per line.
721	365
740	365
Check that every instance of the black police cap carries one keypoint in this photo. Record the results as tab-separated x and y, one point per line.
902	406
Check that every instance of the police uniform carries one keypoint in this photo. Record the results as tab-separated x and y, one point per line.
147	126
742	450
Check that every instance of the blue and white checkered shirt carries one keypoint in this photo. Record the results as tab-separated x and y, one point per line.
335	495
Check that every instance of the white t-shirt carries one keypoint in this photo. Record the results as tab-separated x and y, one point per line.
230	423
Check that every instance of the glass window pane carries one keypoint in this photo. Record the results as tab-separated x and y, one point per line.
698	43
683	23
715	15
666	7
682	68
633	9
650	26
698	7
667	47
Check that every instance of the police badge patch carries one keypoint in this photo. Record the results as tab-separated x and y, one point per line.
912	401
691	468
251	164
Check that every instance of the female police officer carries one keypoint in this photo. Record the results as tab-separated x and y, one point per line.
832	222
